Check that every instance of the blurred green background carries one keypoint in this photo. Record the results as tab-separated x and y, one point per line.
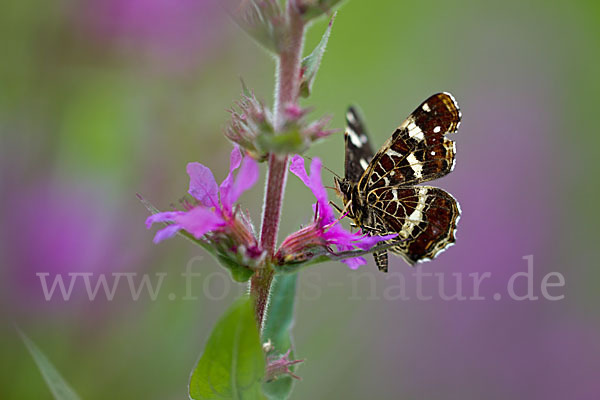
102	99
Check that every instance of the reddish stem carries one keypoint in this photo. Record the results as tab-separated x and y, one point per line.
286	92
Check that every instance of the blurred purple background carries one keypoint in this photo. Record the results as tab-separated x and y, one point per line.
101	100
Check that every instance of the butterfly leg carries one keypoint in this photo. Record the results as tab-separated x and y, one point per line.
381	260
331	203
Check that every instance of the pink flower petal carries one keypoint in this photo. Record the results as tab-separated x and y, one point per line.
355	262
245	179
333	233
297	168
235	159
199	221
366	242
166	233
202	185
338	235
315	184
167	216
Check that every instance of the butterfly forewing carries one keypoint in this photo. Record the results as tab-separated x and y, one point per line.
424	217
359	152
418	150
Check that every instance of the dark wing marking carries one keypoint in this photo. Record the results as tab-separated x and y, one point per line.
358	147
381	260
418	150
424	217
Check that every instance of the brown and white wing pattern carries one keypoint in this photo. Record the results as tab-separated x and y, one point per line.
424	217
418	150
386	196
358	153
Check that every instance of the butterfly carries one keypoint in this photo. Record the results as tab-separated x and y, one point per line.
380	191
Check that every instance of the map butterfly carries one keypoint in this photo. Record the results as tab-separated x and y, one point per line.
380	191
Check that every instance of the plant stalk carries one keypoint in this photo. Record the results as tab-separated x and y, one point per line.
286	92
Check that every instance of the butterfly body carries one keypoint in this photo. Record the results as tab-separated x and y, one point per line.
380	191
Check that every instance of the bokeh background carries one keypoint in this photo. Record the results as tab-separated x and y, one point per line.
102	99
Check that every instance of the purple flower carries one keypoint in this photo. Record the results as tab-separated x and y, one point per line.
325	230
214	211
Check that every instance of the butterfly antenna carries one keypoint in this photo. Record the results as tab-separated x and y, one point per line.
335	206
336	175
343	212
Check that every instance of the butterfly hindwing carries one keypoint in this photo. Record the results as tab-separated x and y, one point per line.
424	217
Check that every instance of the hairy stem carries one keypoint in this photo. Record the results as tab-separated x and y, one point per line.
287	87
260	288
286	91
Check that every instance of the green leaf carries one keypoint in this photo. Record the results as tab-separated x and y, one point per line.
312	62
277	329
263	21
60	389
245	91
233	363
315	8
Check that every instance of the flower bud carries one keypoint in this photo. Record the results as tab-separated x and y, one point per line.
249	120
277	367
